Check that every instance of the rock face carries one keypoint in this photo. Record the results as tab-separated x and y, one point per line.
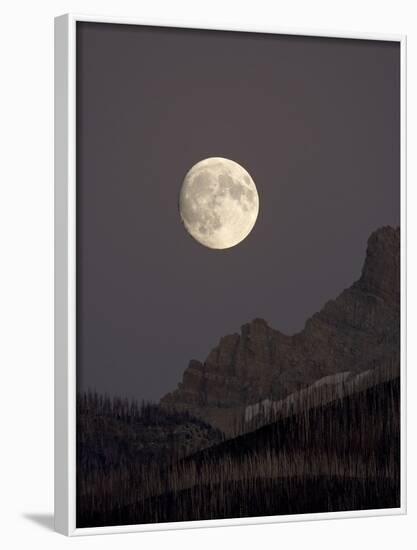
357	331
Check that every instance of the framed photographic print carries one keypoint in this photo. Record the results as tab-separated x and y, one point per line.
229	275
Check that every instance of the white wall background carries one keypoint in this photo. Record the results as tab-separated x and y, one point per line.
26	269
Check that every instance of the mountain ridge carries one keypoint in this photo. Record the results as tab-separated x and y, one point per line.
355	332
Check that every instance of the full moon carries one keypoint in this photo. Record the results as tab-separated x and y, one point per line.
218	203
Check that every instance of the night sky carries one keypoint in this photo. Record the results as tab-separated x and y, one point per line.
315	121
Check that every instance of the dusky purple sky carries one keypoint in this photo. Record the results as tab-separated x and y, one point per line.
315	121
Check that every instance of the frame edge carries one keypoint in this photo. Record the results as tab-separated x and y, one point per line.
63	277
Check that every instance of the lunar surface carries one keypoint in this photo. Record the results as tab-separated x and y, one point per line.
218	203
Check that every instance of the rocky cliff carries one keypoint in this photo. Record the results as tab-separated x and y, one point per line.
357	331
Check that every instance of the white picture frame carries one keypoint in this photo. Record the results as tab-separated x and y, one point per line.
65	278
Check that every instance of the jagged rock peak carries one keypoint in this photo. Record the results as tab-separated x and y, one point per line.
381	271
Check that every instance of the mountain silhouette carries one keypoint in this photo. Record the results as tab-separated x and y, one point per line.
352	334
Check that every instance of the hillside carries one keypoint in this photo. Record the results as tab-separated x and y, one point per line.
344	455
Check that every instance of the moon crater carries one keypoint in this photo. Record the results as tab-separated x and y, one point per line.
218	203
